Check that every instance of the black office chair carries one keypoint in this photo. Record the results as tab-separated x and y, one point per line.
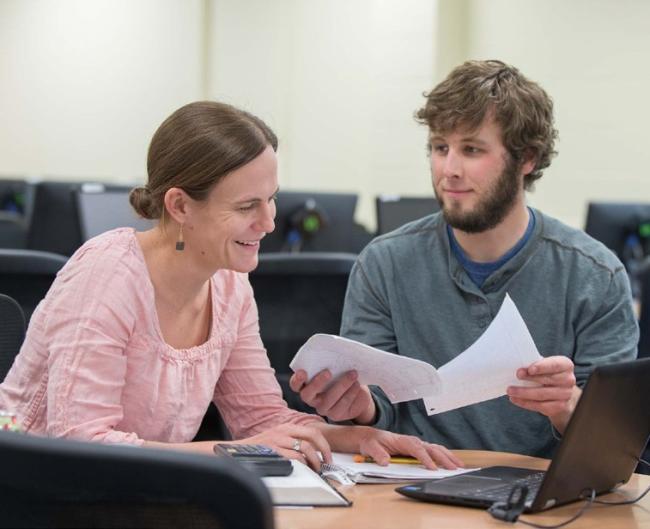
12	332
298	295
54	222
59	483
27	275
13	233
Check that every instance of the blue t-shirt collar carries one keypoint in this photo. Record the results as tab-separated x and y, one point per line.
479	272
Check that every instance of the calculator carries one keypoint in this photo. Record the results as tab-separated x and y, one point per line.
261	459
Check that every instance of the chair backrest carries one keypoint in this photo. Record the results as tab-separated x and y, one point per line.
60	483
297	296
13	233
26	275
15	195
12	332
54	222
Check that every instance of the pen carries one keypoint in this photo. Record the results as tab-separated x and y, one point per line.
403	460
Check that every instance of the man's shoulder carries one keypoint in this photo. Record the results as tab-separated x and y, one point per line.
574	243
414	233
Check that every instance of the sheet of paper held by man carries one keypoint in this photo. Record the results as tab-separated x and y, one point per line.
482	372
487	367
401	378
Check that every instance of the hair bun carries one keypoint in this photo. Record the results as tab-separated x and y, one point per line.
142	203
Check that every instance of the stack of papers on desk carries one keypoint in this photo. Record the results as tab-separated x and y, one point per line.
303	488
345	470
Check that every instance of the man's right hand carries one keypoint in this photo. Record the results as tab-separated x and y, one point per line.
345	400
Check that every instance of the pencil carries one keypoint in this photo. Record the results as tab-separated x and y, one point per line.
403	460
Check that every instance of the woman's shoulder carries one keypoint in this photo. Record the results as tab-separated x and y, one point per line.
119	244
113	254
107	273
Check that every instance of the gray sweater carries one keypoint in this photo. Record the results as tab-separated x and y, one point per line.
409	295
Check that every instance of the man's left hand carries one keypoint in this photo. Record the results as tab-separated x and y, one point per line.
557	393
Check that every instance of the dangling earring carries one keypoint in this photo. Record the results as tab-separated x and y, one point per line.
180	243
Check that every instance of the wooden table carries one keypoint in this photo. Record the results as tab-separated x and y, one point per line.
379	506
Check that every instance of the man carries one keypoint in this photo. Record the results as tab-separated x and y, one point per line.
429	289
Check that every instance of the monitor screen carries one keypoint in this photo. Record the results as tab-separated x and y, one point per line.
394	211
102	209
330	229
612	222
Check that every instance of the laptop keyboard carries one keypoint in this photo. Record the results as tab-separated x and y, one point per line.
501	492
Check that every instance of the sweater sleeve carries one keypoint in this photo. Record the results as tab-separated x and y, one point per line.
607	331
91	311
247	394
367	319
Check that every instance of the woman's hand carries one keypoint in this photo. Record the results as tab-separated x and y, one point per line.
380	445
294	441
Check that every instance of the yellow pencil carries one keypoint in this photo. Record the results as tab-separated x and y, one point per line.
404	460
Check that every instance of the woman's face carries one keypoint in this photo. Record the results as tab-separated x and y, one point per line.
224	231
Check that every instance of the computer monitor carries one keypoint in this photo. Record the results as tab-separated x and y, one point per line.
612	222
104	208
394	211
315	222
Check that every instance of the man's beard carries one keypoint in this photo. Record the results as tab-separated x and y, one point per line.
491	208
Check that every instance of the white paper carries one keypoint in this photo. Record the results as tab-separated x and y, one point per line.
401	378
485	369
393	472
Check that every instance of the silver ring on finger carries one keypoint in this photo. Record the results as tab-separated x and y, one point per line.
296	445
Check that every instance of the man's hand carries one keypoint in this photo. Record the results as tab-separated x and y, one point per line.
557	395
344	400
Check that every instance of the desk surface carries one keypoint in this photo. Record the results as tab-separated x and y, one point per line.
379	506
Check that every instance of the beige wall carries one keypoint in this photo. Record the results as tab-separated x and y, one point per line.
84	83
338	80
592	56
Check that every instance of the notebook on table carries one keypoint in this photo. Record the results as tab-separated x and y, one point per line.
303	488
599	450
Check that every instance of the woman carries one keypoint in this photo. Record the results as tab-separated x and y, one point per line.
141	330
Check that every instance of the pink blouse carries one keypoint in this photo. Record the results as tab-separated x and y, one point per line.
94	365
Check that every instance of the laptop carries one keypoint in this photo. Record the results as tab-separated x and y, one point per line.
599	450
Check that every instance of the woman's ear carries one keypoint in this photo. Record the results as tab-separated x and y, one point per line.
177	204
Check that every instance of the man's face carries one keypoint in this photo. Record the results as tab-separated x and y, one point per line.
475	179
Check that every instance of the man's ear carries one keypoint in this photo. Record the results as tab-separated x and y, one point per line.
177	204
528	163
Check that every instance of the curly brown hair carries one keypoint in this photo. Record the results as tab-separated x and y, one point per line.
521	107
